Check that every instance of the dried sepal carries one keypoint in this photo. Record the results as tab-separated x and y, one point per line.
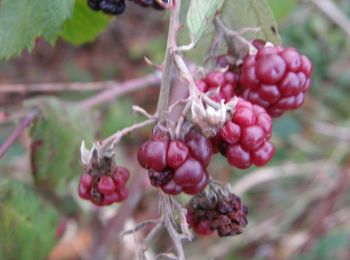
210	119
92	157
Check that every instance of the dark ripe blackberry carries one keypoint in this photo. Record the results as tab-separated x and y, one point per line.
94	4
157	6
145	3
113	7
159	179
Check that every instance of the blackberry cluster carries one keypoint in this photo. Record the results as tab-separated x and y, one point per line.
275	78
151	3
224	82
112	7
104	183
244	139
225	214
177	165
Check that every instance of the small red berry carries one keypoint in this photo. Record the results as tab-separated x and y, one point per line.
177	153
106	185
238	157
200	147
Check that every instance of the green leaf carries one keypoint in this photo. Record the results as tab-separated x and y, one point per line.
84	25
27	224
200	17
118	116
56	138
281	9
22	21
252	14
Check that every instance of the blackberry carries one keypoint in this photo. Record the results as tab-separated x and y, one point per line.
275	78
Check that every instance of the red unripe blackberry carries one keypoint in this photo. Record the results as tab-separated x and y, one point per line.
244	139
179	168
276	78
104	189
226	82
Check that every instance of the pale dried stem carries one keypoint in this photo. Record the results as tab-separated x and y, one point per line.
166	204
115	138
163	101
122	89
141	111
141	226
58	87
287	170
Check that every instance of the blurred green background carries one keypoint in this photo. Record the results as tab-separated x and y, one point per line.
298	204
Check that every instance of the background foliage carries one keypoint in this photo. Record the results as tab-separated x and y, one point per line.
38	185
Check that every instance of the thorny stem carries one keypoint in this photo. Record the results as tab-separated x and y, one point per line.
163	100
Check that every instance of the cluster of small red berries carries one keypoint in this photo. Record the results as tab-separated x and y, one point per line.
177	165
117	7
244	139
225	214
276	78
222	84
104	184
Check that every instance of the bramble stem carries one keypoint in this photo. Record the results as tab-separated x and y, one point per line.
115	138
163	101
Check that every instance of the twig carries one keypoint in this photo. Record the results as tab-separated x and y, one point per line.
339	133
57	87
115	138
270	173
166	204
163	101
25	122
148	240
141	226
126	87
